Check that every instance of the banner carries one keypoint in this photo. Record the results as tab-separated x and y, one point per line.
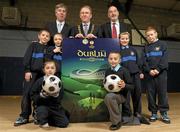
83	66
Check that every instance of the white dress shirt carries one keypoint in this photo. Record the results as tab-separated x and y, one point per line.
60	25
117	25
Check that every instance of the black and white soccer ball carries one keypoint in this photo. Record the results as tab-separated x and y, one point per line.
111	83
52	84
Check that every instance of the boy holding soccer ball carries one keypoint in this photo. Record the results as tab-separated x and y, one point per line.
114	99
33	61
48	109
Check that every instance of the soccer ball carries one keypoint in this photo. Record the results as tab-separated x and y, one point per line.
111	83
52	84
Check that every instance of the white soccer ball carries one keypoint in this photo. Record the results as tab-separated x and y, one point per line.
111	83
52	84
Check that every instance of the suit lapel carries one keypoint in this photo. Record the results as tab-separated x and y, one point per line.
109	29
53	28
64	28
122	27
81	28
90	27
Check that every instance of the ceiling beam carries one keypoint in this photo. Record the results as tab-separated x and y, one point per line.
174	5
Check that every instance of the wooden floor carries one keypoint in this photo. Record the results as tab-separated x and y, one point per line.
10	107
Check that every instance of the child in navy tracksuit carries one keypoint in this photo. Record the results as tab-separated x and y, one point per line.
114	100
131	60
48	109
56	52
156	66
33	63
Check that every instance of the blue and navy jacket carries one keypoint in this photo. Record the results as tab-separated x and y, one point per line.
130	59
34	57
57	57
156	56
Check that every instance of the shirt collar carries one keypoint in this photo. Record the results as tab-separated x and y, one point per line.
86	23
45	76
57	46
117	22
125	47
116	68
58	22
156	40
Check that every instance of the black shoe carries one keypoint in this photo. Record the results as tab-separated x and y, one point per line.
115	127
165	118
67	114
153	117
36	122
143	120
20	121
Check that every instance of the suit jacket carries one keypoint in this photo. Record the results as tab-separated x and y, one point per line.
105	29
52	28
92	29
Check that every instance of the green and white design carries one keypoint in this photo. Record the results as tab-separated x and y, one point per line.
83	69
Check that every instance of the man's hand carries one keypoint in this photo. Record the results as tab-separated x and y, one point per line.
79	35
90	36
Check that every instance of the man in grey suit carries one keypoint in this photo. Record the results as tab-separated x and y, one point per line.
59	25
106	30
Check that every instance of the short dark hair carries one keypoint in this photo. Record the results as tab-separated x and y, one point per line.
124	33
60	34
150	28
43	30
50	61
61	5
115	52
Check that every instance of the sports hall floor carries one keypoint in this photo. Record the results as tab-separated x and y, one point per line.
10	107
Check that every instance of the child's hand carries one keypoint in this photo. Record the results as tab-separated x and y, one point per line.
152	73
43	94
156	71
141	76
28	76
55	94
121	84
57	49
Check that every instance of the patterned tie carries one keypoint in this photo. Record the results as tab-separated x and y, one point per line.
85	29
114	32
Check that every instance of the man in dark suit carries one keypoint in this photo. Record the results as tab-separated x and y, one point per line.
114	27
60	25
86	29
